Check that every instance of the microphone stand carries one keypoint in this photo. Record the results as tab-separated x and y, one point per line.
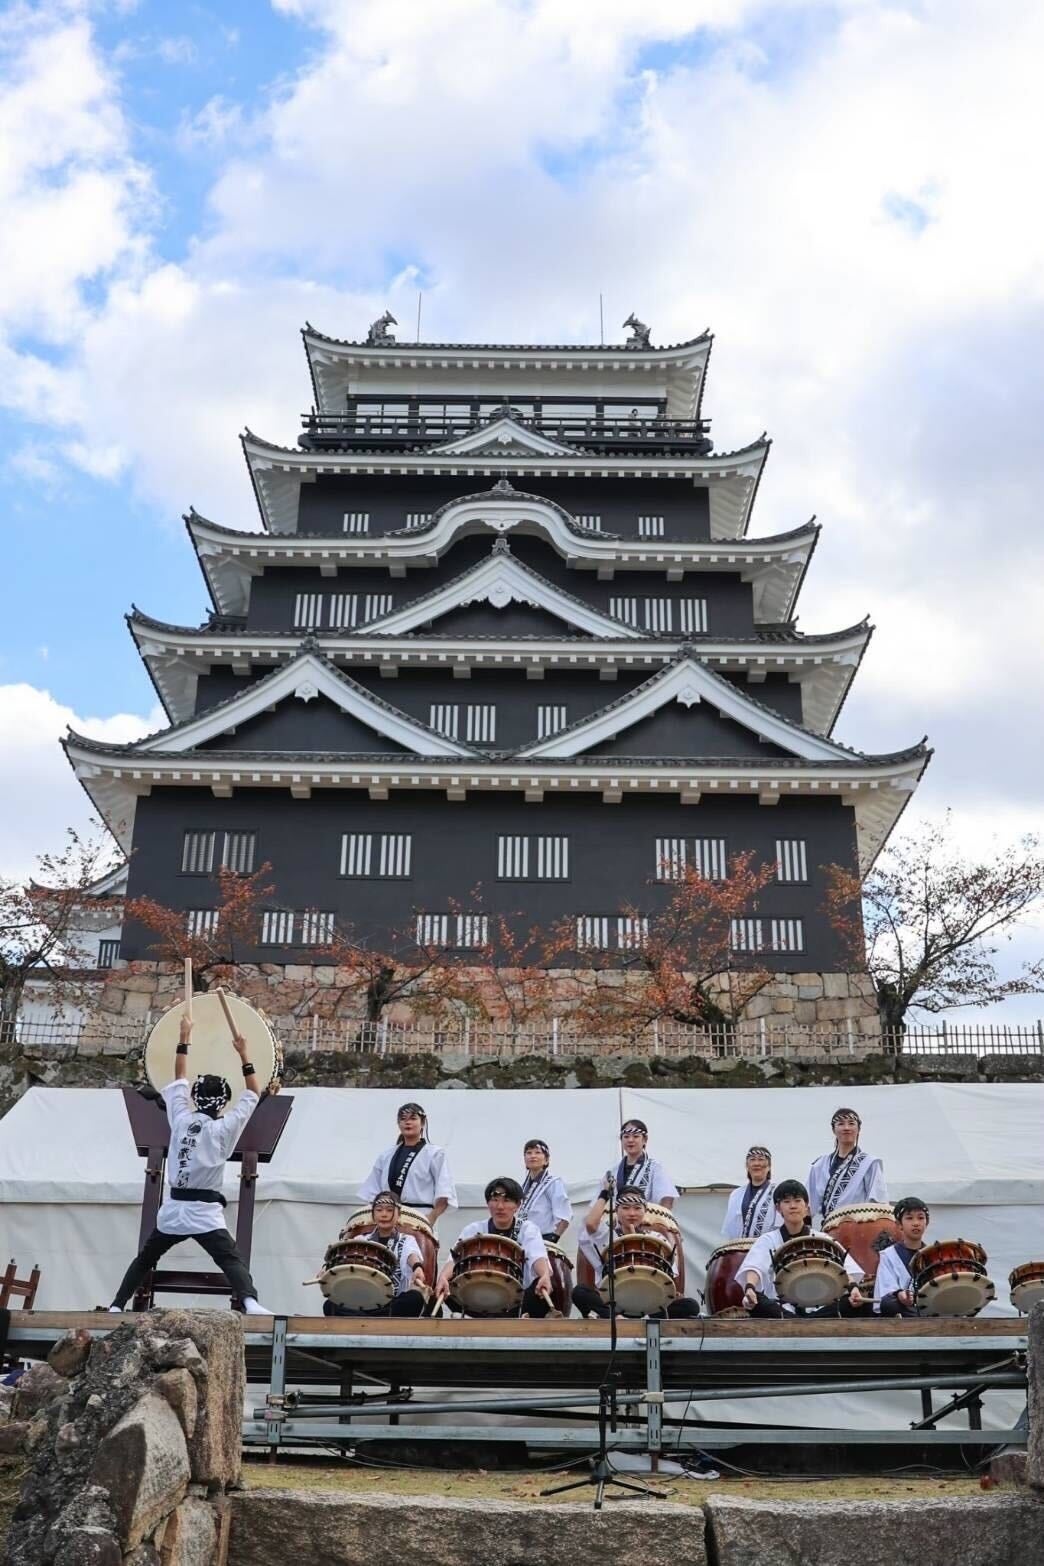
602	1471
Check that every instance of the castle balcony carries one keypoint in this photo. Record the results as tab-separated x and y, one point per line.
603	424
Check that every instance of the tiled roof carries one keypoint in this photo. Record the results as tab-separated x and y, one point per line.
500	491
579	348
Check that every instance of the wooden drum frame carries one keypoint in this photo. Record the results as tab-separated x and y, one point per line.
809	1271
487	1276
644	1275
724	1289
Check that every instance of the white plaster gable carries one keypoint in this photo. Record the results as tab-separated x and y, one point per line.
689	683
506	437
306	678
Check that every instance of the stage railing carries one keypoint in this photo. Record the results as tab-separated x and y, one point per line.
750	1039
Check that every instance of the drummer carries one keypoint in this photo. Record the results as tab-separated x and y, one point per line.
637	1170
759	1296
411	1294
503	1199
594	1244
414	1169
847	1176
893	1286
751	1208
544	1198
202	1136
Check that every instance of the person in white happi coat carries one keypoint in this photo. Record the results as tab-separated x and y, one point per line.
752	1208
202	1136
847	1176
544	1197
410	1295
760	1297
503	1199
637	1170
893	1285
594	1237
414	1169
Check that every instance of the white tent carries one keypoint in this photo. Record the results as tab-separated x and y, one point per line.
71	1181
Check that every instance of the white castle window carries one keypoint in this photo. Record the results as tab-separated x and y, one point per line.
533	858
692	615
356	521
787	935
308	610
551	720
783	935
481	725
592	932
632	932
277	927
791	859
625	609
317	929
390	862
464	931
199	852
444	719
745	935
418	518
343	611
239	852
650	527
201	921
705	855
593	524
376	604
108	953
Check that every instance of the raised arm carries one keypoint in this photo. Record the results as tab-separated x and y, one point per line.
250	1081
181	1069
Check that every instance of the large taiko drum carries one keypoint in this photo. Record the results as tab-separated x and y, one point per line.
724	1278
358	1274
643	1273
950	1279
487	1277
664	1222
210	1048
810	1271
864	1231
1027	1285
561	1278
411	1222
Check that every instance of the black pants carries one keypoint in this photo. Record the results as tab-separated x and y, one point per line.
588	1301
217	1243
772	1310
533	1304
891	1305
411	1303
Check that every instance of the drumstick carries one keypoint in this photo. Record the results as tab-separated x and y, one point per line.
228	1015
188	988
438	1308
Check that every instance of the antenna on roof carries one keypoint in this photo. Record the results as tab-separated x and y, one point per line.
420	296
601	322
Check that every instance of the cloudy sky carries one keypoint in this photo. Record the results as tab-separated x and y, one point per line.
847	193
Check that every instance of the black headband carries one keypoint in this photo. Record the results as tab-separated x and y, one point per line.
210	1092
536	1142
844	1114
631	1196
910	1204
385	1199
634	1125
759	1152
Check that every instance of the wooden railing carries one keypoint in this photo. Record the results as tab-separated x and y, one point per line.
749	1039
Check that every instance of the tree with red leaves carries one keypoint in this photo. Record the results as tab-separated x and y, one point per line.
216	951
934	921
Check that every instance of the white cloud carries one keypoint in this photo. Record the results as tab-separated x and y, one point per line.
39	796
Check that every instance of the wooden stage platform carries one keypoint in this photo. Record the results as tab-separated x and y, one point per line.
323	1376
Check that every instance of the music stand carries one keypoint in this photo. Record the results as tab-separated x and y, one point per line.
151	1131
602	1471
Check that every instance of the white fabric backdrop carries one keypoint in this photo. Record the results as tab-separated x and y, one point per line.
71	1181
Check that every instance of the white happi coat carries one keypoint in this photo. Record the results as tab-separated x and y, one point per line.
866	1185
407	1255
762	1215
199	1150
546	1203
427	1178
528	1236
594	1246
649	1176
759	1259
892	1275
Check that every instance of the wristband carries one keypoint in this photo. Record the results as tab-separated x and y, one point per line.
603	1195
248	1068
182	1049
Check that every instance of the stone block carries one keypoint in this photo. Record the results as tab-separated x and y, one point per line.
215	1450
137	1005
36	1389
69	1355
809	991
190	1536
178	1388
760	1006
1035	1389
111	1000
782	1003
805	1011
143	1463
835	986
830	1010
14	1437
380	1530
89	1547
142	983
932	1531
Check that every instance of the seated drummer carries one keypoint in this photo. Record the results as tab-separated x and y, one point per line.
594	1244
759	1296
411	1294
414	1169
638	1171
893	1286
545	1201
751	1208
503	1198
847	1176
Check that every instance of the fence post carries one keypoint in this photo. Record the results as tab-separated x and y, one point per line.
554	1035
763	1031
1040	1035
467	1033
656	1035
315	1032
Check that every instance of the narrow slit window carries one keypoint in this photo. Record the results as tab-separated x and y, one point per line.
356	521
551	720
197	853
308	611
791	859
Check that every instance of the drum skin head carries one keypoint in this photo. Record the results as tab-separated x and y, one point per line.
810	1283
639	1290
954	1294
1025	1295
210	1049
360	1288
487	1293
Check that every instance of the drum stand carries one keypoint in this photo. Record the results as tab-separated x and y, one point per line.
151	1131
603	1473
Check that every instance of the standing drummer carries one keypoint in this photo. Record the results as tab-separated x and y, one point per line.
893	1285
637	1170
410	1295
847	1176
759	1295
544	1198
594	1244
752	1208
503	1199
414	1169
